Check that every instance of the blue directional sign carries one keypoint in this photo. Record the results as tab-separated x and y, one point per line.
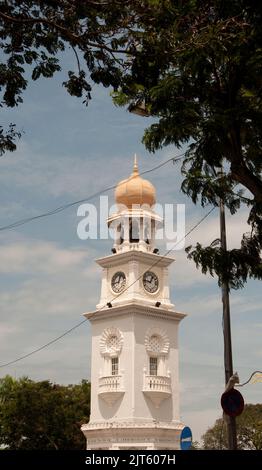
186	438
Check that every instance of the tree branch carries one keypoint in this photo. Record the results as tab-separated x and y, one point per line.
73	37
240	172
77	59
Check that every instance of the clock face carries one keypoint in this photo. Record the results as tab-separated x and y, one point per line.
118	281
150	281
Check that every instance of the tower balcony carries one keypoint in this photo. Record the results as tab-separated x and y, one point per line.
111	388
157	388
140	245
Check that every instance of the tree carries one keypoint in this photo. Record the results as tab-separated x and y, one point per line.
35	33
249	431
195	446
42	415
197	69
196	65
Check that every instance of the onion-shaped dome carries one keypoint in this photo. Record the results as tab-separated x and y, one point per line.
135	190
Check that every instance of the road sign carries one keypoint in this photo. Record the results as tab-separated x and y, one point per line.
186	438
232	402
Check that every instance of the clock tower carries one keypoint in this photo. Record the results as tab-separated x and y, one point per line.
134	371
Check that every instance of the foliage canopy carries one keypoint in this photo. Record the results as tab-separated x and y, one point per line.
42	415
196	66
249	431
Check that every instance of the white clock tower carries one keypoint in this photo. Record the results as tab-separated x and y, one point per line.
134	372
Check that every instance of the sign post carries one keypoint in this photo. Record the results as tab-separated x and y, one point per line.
232	403
186	438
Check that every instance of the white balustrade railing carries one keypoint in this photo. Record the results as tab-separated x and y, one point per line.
111	383
133	247
157	383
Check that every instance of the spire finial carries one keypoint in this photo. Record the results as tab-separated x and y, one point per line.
135	169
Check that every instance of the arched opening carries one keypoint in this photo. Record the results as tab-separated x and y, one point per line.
134	230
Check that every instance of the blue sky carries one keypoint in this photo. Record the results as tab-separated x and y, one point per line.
49	277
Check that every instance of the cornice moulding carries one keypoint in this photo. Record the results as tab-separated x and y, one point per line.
125	257
133	308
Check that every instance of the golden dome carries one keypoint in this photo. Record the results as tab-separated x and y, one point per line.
135	190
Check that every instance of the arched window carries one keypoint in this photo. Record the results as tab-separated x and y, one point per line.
157	347
134	230
147	230
114	366
153	366
110	348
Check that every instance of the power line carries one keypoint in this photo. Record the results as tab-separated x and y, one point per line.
112	299
44	346
20	222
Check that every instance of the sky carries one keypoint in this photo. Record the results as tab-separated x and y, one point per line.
49	277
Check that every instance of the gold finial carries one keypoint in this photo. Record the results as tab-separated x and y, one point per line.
135	169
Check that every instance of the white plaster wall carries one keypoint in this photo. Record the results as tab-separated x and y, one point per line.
107	294
169	408
122	409
134	270
132	360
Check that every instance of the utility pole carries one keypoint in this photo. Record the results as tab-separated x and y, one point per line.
228	361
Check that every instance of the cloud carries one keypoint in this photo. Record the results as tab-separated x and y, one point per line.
39	256
49	289
200	390
66	361
53	280
203	359
200	421
184	273
210	304
249	305
209	229
69	174
7	331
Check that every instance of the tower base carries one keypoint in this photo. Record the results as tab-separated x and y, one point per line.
133	435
